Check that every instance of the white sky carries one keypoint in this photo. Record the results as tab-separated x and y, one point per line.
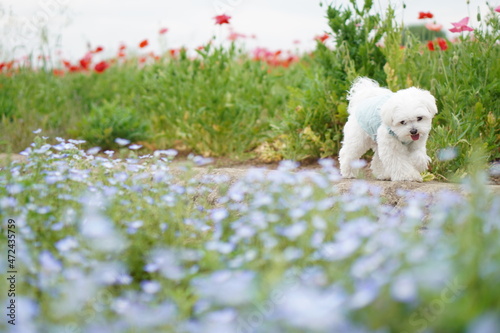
276	23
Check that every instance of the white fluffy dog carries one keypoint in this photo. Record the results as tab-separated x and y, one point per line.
395	125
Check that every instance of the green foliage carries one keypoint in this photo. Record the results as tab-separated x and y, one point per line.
222	103
422	33
109	121
217	104
357	33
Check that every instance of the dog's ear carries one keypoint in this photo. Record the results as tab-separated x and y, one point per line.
387	111
429	102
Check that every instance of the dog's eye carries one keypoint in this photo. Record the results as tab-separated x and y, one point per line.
402	122
419	118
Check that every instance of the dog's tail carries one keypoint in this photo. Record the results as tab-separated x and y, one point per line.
363	88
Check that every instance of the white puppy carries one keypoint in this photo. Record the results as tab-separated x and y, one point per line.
395	125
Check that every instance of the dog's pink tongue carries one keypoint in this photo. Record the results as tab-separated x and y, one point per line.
415	137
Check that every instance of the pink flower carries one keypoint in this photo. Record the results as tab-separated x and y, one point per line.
433	26
497	9
163	31
235	35
461	26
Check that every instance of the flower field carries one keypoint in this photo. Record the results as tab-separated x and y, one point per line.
111	231
133	244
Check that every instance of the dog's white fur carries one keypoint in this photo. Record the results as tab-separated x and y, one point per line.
396	156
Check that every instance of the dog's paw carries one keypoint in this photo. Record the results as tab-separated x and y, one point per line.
420	161
383	177
410	177
348	175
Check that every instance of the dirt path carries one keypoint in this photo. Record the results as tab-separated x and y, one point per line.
390	190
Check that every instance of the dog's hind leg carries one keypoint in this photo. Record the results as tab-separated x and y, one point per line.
356	143
377	167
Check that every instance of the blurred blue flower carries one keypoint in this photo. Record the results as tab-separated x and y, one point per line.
135	147
340	249
150	287
218	214
167	262
122	142
48	263
366	291
66	244
447	154
226	287
293	231
312	309
404	288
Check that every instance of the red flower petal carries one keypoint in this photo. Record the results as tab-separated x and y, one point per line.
98	49
86	60
144	43
430	45
163	31
58	72
442	44
322	38
101	67
222	19
423	15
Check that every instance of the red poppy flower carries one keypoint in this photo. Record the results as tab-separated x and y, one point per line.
101	67
442	44
144	43
58	72
66	64
221	19
423	15
74	69
163	31
98	49
122	47
430	45
85	61
322	38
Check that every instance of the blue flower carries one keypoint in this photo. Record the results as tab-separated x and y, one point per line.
122	142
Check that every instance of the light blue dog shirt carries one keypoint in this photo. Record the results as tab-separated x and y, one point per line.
368	114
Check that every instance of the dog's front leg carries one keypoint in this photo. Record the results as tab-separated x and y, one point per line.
418	155
395	158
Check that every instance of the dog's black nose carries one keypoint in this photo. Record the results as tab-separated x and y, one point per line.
413	131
